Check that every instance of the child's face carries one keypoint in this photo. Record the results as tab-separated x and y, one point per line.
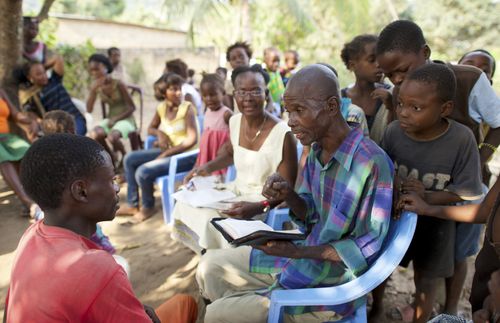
238	57
396	64
419	110
174	94
37	75
115	57
365	67
97	70
290	61
102	192
31	29
212	96
272	60
481	61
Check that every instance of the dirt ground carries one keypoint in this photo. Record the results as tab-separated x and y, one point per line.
160	267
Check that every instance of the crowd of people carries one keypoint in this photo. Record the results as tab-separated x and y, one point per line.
346	162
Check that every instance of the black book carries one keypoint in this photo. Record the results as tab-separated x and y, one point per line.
252	232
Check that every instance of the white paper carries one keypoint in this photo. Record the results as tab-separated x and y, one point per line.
203	182
240	228
203	198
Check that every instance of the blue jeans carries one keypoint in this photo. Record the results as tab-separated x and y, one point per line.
142	169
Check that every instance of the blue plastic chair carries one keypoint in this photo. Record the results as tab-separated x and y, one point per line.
167	183
397	242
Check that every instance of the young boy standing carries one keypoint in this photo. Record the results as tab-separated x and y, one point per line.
436	158
59	275
401	48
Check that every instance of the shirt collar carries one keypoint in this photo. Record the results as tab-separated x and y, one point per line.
345	153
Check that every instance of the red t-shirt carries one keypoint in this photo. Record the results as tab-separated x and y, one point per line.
60	276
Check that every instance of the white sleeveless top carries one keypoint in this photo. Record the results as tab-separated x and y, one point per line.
254	167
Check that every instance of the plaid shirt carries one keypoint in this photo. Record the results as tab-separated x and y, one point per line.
348	207
275	86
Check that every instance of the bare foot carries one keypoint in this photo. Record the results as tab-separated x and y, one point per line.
144	214
127	210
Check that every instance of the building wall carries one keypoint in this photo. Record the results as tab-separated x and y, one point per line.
105	33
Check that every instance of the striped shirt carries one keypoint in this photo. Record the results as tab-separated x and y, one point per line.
348	207
55	97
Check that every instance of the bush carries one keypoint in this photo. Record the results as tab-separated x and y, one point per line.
76	76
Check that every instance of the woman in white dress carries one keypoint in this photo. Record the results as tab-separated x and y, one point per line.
260	145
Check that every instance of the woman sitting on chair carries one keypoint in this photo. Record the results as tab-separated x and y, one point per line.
119	121
260	145
175	126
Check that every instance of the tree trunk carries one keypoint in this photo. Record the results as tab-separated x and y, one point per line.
44	12
245	20
10	40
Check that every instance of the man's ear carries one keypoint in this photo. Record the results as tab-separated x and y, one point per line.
333	105
446	109
426	51
78	190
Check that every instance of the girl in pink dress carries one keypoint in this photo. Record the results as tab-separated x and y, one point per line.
216	120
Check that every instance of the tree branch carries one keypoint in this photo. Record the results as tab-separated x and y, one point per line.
44	12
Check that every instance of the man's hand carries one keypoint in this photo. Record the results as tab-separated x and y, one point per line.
276	188
111	122
280	248
244	210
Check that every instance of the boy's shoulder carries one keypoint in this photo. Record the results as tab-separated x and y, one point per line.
465	74
460	132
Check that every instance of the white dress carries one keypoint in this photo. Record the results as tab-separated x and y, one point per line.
192	225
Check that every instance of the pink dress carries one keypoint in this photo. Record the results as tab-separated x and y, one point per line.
215	134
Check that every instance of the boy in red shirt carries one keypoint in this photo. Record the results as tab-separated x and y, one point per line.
59	274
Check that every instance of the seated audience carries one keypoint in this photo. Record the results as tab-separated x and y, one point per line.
259	145
343	202
175	126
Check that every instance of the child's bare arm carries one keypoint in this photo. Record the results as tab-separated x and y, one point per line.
441	198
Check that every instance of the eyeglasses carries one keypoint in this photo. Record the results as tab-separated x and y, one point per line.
241	93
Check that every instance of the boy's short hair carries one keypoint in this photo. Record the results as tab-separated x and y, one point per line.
103	59
353	49
439	75
177	66
213	79
112	49
240	44
270	50
484	51
58	121
401	35
53	162
256	68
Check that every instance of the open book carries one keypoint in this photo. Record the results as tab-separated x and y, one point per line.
252	232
